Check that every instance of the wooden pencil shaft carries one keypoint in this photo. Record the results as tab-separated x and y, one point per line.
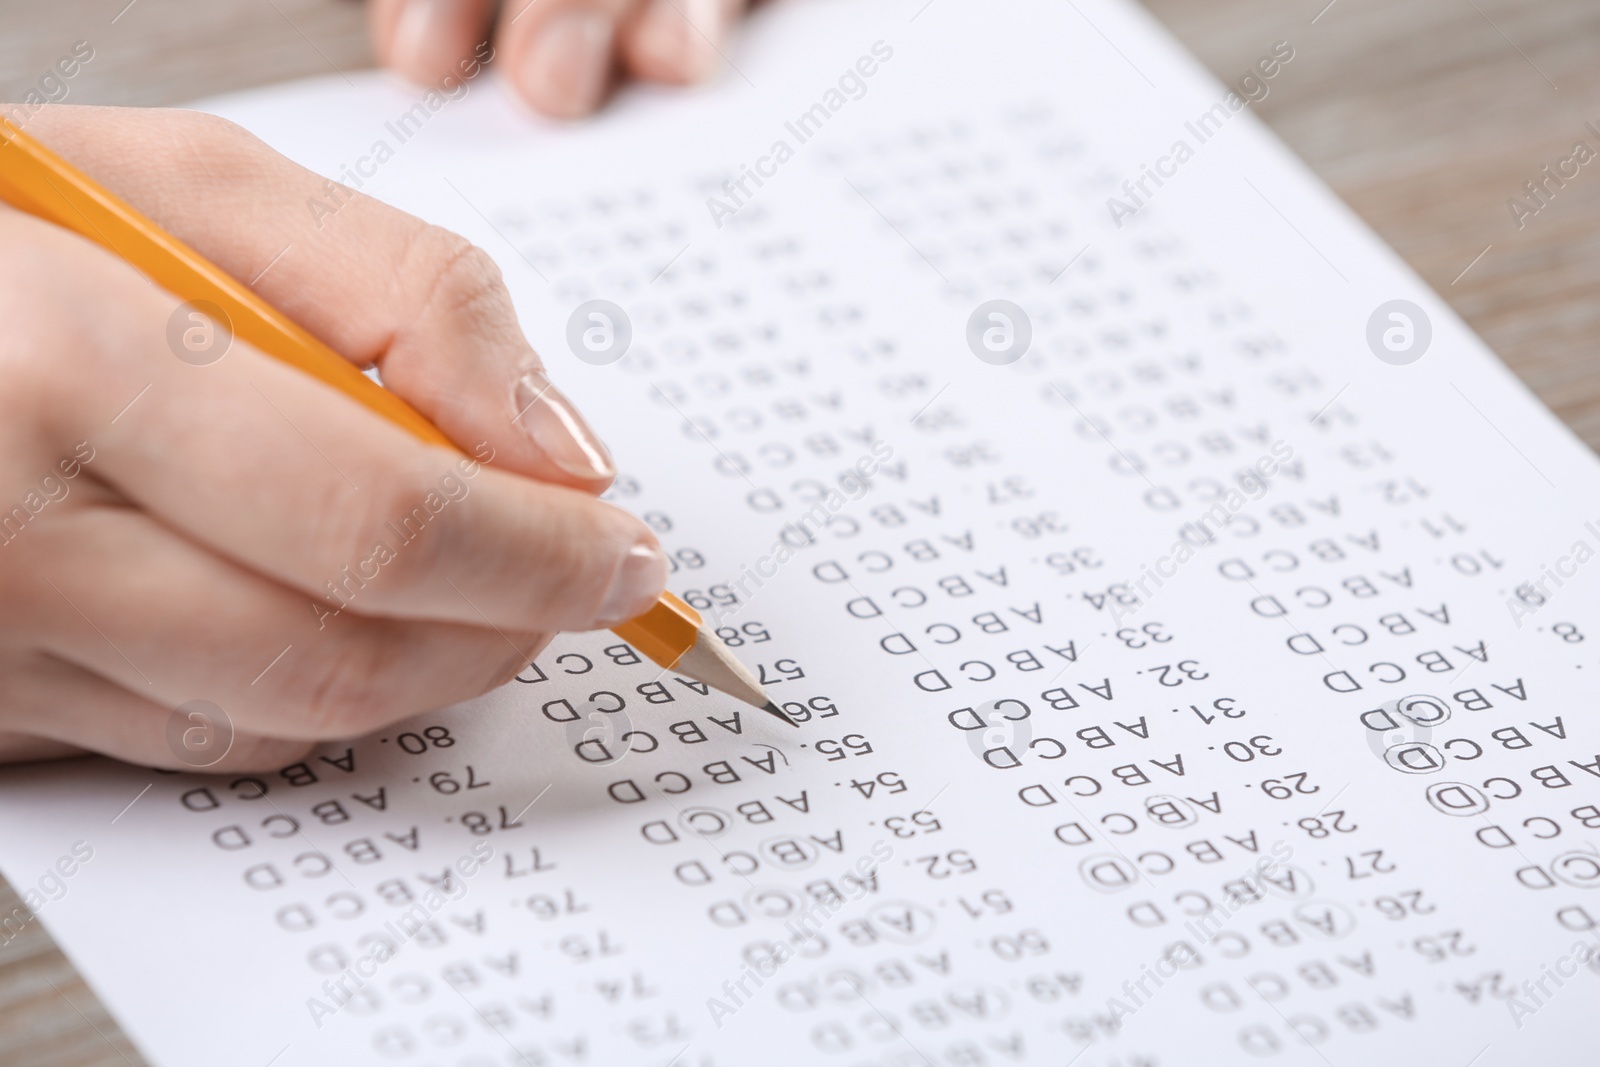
36	180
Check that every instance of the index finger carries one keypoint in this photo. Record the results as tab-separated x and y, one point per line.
381	288
265	465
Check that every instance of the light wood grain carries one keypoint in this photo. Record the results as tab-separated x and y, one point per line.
1425	115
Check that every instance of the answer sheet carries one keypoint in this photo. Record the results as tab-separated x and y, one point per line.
1190	624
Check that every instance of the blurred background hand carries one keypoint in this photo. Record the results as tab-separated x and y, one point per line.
561	56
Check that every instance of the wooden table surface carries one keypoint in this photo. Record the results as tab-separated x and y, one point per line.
1426	116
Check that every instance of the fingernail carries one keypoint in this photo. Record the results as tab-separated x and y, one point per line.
685	35
566	70
557	430
703	33
640	577
419	24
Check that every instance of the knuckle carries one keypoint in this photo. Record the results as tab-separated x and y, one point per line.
39	288
426	534
460	279
390	542
571	574
228	149
343	529
342	695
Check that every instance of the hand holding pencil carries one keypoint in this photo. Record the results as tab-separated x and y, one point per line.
179	520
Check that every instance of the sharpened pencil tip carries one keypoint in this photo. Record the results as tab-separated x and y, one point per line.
772	709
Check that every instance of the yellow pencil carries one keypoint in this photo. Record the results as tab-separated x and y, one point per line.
36	180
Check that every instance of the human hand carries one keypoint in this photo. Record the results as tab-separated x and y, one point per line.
559	55
175	526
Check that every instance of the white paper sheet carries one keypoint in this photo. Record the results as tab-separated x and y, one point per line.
1070	788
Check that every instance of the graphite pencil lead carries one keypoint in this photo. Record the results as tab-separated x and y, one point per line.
772	709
